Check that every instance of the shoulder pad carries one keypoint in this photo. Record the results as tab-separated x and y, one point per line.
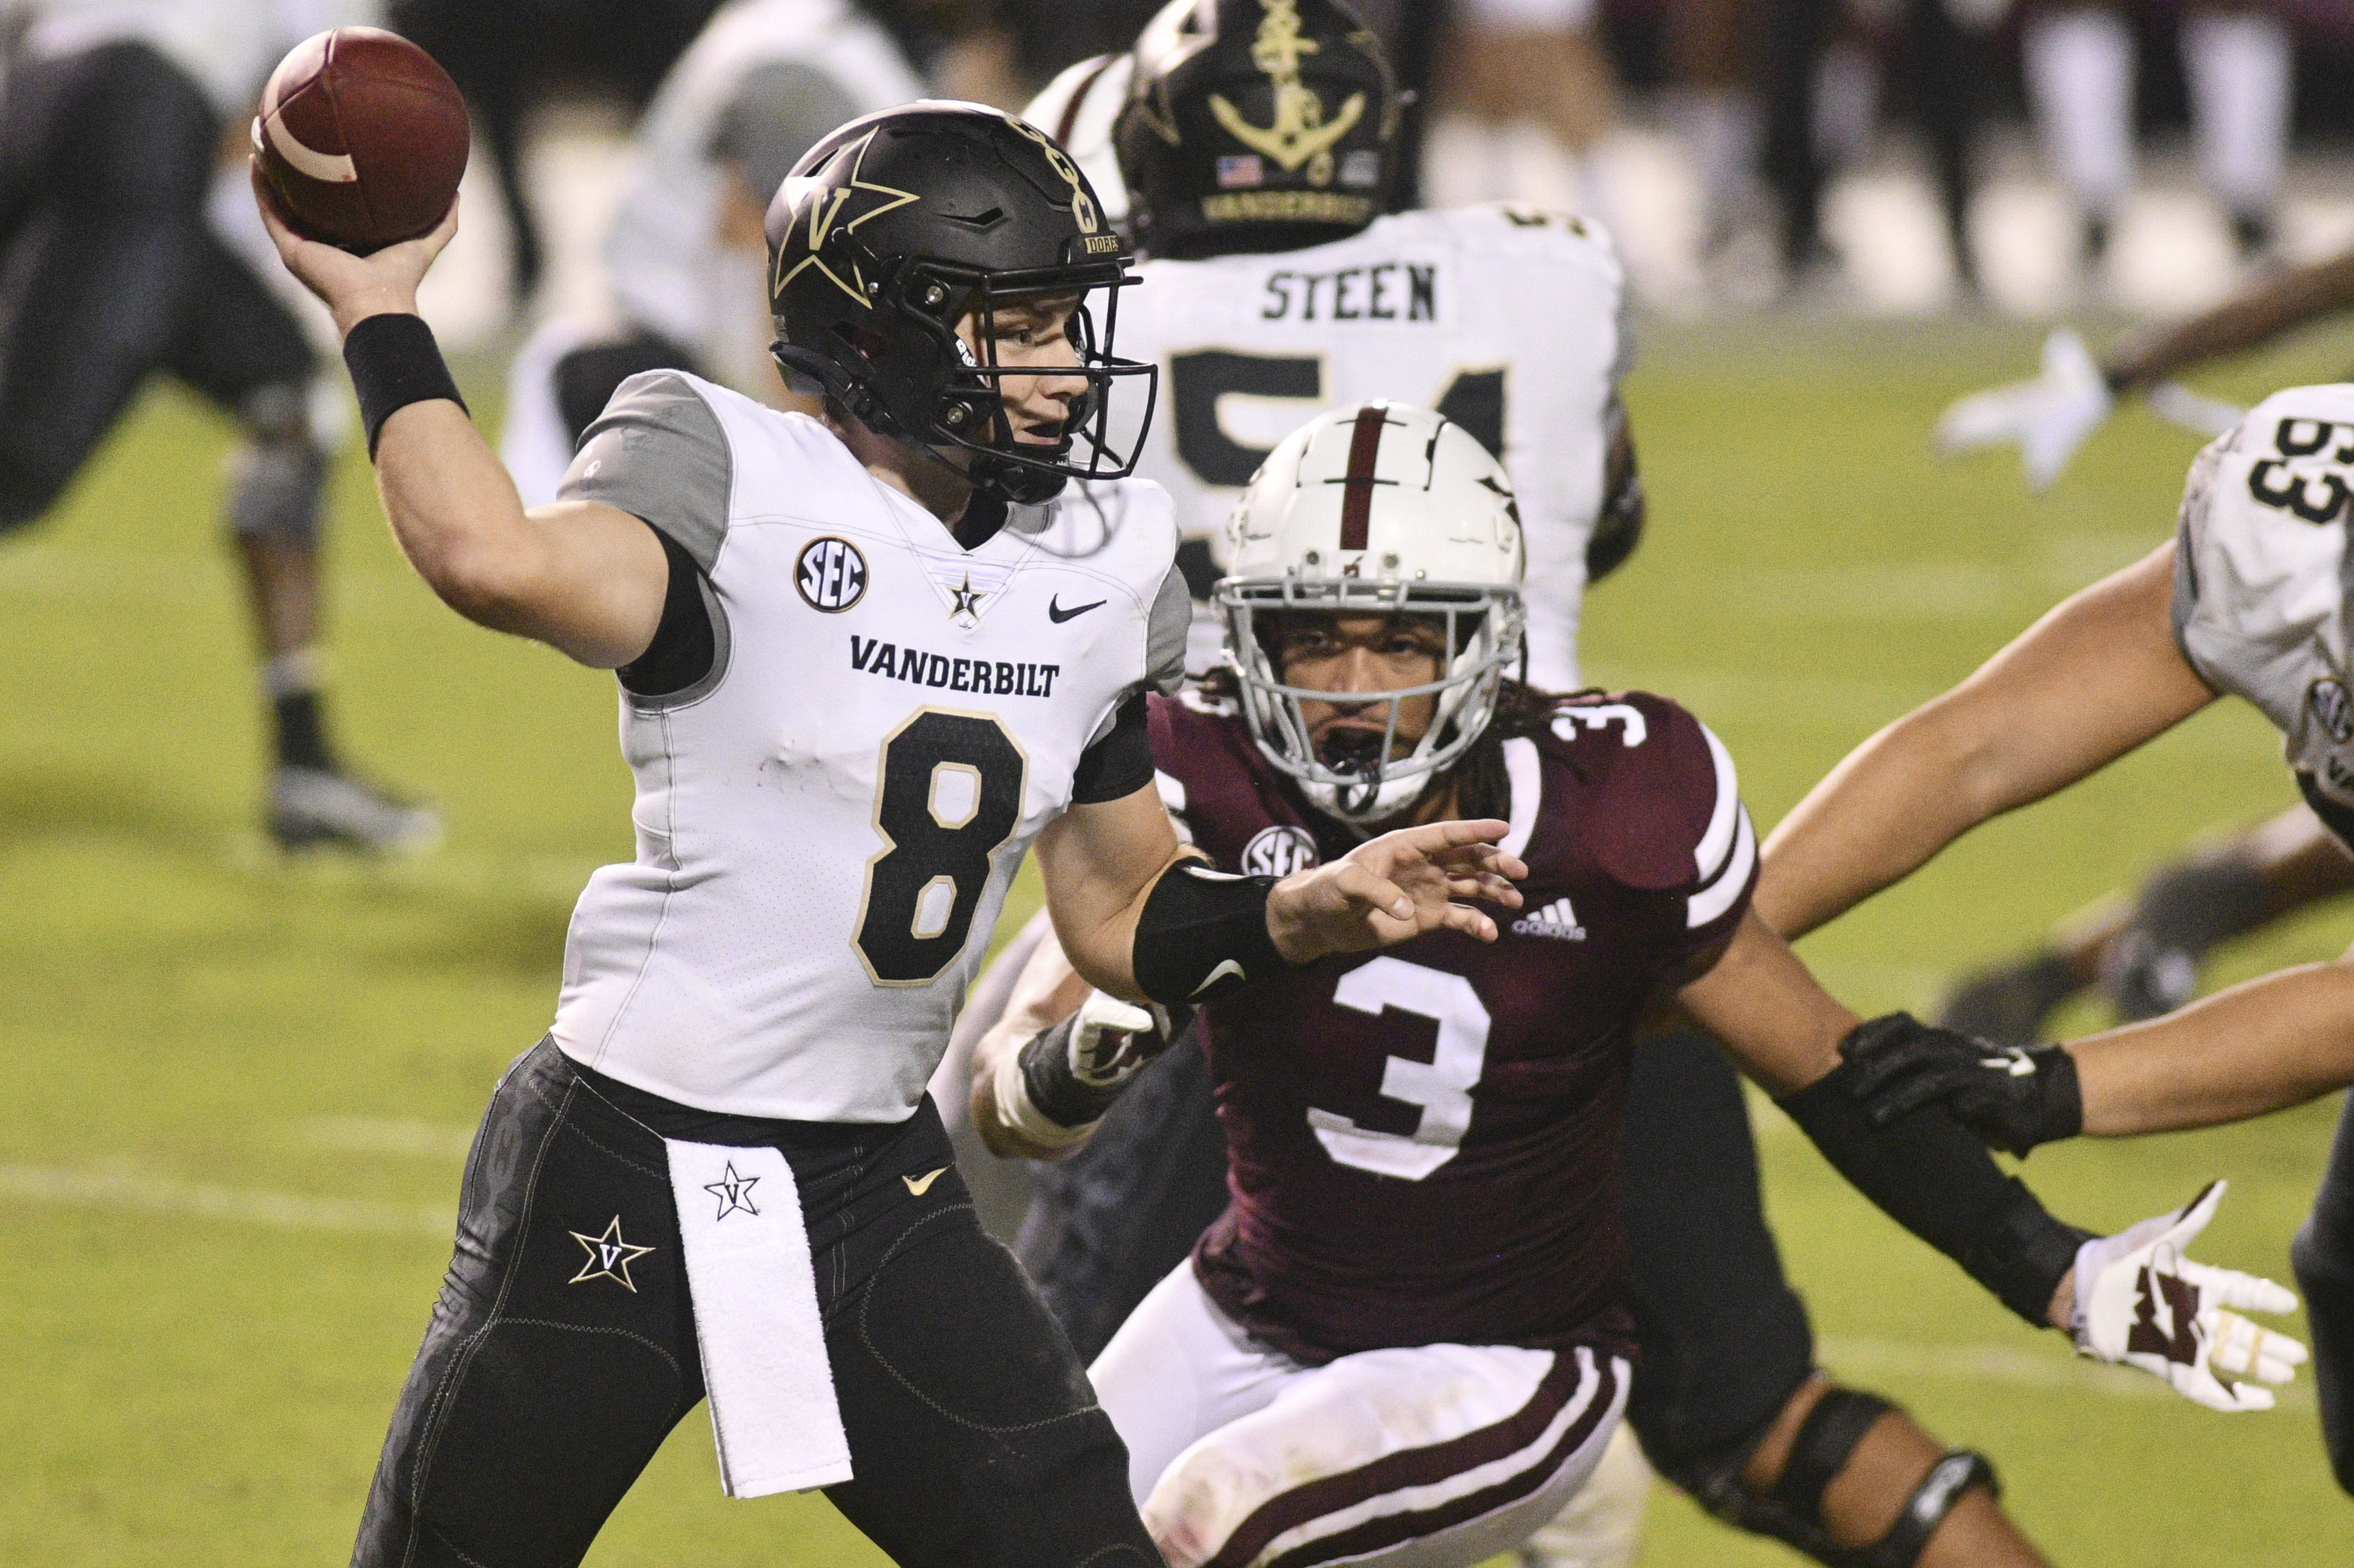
1653	786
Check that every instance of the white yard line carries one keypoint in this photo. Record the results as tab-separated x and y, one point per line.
2045	1367
371	1134
129	1191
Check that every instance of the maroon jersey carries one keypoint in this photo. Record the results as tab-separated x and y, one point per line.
1423	1140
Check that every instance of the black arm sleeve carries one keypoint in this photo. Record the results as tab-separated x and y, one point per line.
684	646
1120	763
1931	1175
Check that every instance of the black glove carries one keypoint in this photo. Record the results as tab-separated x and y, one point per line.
2013	1096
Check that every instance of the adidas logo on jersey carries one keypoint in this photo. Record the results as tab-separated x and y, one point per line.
1556	920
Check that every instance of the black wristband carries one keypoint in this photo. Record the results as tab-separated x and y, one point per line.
395	361
2060	1097
1933	1176
1202	934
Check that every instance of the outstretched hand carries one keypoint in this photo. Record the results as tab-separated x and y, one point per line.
1394	888
2141	1302
353	288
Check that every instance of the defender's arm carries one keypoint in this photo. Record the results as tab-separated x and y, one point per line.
1933	1177
2095	678
586	578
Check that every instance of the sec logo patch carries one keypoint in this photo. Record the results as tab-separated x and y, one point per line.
830	574
1279	852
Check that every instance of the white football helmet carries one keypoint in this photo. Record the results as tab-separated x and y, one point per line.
1375	509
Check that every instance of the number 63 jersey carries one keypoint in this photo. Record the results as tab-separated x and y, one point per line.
1423	1140
828	820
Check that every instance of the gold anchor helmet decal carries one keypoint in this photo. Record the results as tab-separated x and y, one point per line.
1299	134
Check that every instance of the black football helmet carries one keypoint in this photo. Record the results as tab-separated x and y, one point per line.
1256	125
894	227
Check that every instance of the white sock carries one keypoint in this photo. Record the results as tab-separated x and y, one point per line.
2240	64
2079	68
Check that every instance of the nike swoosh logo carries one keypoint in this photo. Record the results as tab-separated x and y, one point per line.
919	1185
1057	614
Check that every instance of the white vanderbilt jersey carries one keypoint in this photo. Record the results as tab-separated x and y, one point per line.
2261	579
1506	320
668	269
827	823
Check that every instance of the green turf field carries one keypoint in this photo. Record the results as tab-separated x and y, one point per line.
238	1089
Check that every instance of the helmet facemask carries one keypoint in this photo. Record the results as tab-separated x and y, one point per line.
897	227
1370	780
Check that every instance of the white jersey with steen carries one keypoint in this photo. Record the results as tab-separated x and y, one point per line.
2261	574
827	824
1508	320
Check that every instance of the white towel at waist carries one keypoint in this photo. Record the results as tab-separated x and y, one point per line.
773	1413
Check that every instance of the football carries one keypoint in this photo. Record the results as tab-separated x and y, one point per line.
362	138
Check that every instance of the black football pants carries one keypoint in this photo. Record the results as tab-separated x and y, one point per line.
108	269
1725	1340
546	1382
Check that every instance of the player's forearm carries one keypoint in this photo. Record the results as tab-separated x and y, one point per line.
2097	676
2238	324
1881	815
2262	1046
1099	864
455	513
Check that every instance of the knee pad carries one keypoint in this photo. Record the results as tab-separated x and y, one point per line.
1792	1512
279	477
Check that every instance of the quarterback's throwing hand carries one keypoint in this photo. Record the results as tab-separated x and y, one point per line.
1395	887
355	287
2140	1302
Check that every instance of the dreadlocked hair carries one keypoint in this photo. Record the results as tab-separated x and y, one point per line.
1482	788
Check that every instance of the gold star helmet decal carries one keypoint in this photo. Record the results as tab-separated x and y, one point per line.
825	213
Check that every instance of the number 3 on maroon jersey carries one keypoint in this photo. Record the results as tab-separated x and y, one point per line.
1442	1087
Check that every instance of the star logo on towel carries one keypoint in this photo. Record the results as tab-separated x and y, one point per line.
733	1192
608	1256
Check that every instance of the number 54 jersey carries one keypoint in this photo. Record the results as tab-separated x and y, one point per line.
828	820
1423	1140
1506	320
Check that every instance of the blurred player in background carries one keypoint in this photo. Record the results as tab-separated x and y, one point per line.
2079	60
2249	600
2143	952
111	123
1258	315
1423	1255
757	89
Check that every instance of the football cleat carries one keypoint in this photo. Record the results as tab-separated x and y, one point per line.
313	806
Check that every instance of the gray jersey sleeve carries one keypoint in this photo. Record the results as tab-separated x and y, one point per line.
658	451
1165	633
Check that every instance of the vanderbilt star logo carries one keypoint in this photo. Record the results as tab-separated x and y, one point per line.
967	608
608	1256
733	1192
825	217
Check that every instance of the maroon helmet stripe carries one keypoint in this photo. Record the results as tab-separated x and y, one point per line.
1365	460
1070	117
